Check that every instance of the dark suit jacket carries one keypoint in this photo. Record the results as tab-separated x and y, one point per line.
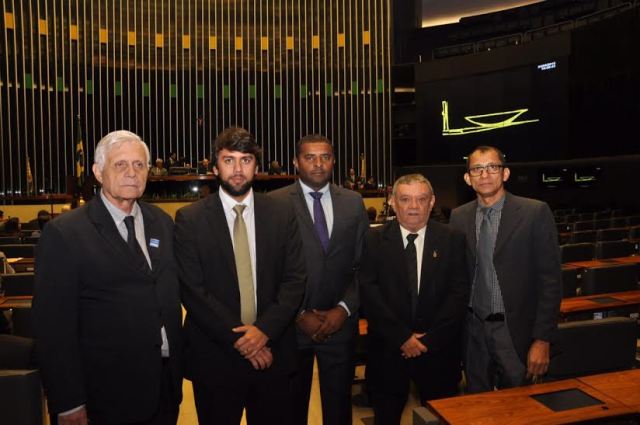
97	316
210	293
331	276
386	296
527	262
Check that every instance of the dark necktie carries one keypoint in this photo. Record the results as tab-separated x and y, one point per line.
319	221
134	246
412	269
484	268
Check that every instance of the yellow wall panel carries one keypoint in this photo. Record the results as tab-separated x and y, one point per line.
131	38
264	43
341	39
315	42
104	35
186	41
159	40
366	37
43	28
73	32
213	42
289	43
9	21
239	43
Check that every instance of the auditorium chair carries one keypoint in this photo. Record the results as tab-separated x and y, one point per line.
609	278
592	346
583	236
634	220
577	252
634	233
585	216
602	214
21	399
572	218
19	250
569	283
617	234
619	222
30	225
31	240
17	284
563	227
601	224
583	225
613	249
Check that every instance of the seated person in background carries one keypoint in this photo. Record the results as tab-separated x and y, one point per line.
43	218
204	167
159	169
352	180
172	161
275	168
2	221
12	227
371	183
372	213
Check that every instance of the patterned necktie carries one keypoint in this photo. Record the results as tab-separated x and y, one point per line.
243	268
132	241
484	271
412	269
319	221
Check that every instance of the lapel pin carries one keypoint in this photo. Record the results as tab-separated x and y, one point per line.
155	243
435	253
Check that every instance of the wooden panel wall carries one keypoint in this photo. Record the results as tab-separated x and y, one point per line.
177	72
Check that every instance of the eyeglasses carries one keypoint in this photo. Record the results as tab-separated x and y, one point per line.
489	168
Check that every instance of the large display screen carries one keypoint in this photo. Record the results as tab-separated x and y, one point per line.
522	110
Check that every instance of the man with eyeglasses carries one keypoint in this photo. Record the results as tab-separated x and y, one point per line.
106	308
514	261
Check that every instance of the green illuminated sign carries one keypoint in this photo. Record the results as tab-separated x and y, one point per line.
484	122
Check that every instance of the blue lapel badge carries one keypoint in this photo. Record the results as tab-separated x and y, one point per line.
154	243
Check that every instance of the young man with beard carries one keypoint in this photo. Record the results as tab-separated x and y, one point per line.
242	273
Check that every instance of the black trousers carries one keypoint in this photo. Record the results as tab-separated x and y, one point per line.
335	370
168	406
389	375
266	396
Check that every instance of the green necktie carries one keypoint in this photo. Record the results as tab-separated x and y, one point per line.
243	268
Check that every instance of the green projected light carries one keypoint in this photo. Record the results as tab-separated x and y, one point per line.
485	122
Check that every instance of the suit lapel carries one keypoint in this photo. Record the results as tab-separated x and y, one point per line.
394	254
152	232
218	228
339	212
430	260
262	241
470	230
509	220
106	227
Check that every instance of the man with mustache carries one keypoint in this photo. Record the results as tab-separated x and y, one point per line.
241	267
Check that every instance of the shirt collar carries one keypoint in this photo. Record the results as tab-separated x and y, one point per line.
116	213
406	232
228	202
497	206
307	190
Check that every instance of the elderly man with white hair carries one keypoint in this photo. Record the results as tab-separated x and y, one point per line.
106	306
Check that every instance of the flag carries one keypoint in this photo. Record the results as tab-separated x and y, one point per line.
79	153
30	190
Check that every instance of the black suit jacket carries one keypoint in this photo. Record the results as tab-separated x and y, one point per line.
527	261
331	276
97	315
386	296
210	293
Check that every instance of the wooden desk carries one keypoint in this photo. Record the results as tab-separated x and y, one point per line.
363	327
515	406
7	303
593	263
634	259
22	265
623	386
586	303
